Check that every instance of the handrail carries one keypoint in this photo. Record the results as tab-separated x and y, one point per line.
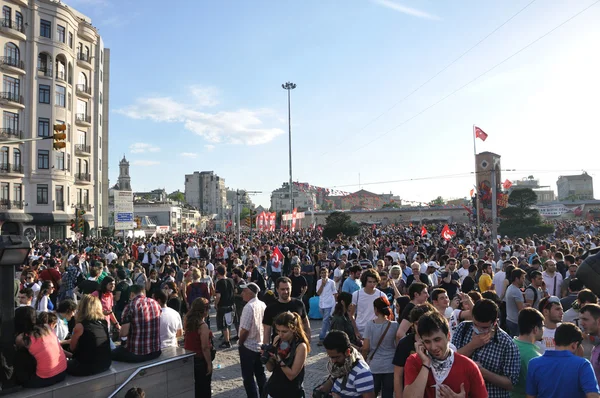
138	370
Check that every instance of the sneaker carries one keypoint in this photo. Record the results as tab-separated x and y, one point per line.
225	344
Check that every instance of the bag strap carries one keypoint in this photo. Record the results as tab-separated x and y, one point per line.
380	340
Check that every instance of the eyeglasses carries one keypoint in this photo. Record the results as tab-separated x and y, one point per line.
551	300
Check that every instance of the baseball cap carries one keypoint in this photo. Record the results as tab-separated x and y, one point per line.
252	286
433	264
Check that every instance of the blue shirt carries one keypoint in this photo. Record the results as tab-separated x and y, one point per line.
560	374
359	381
350	286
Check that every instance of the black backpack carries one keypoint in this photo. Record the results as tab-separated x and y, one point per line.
535	294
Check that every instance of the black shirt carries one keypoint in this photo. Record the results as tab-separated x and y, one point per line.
298	282
422	278
451	288
406	311
404	349
468	284
88	286
276	308
225	288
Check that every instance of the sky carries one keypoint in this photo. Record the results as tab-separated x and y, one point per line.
387	91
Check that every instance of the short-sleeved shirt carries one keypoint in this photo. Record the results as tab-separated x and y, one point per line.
485	283
251	320
527	351
451	288
404	349
380	364
364	311
560	374
276	308
513	296
358	382
143	315
463	371
298	282
531	296
350	286
327	297
225	287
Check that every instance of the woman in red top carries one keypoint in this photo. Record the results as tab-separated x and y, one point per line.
105	294
198	338
43	345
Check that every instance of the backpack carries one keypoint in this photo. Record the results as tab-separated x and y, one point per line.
535	294
197	289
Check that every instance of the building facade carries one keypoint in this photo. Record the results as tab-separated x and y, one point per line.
578	187
53	72
206	191
303	199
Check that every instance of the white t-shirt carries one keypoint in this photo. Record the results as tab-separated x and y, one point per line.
364	307
338	273
170	323
547	343
498	282
463	273
327	298
210	267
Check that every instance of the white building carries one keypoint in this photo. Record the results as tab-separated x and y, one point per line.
54	71
206	191
578	187
303	199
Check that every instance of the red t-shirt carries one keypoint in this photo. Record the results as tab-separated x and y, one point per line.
463	370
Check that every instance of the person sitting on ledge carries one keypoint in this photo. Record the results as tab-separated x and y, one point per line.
141	326
90	342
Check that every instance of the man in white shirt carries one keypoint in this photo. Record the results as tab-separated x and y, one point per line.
553	315
552	278
171	326
338	273
327	295
361	309
463	272
251	337
498	281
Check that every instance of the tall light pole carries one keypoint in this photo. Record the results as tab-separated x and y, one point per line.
289	86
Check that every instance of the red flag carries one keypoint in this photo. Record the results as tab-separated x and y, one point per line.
229	224
423	231
479	133
447	233
277	257
471	193
507	184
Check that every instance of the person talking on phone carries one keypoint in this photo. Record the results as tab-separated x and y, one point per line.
492	349
436	370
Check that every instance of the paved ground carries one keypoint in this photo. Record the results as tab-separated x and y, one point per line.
227	381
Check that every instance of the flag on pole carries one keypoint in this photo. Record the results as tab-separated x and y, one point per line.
277	257
447	233
479	133
507	184
471	193
423	231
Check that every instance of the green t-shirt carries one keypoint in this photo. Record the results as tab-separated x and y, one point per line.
527	352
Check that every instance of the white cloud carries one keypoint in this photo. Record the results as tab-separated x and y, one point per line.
141	147
145	163
188	155
405	10
209	147
242	126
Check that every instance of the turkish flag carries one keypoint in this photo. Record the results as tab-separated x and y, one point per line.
479	133
423	231
277	257
447	233
507	184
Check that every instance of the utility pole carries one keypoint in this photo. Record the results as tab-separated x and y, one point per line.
237	200
289	86
494	208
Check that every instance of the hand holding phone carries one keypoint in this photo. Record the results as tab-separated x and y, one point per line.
422	352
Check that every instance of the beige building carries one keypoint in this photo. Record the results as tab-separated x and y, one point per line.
206	191
54	71
578	187
303	199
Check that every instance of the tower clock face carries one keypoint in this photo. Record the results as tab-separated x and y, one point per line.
484	164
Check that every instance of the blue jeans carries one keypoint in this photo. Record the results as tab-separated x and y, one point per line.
251	368
326	314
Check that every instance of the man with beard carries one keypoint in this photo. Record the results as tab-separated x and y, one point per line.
435	369
589	321
284	303
299	285
552	310
531	329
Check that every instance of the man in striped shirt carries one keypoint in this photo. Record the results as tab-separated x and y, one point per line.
351	374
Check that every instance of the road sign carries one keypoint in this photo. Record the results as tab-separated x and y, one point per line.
124	210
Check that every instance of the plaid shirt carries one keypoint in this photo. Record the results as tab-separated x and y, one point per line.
500	356
69	279
143	315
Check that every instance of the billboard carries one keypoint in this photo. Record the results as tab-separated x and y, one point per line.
124	210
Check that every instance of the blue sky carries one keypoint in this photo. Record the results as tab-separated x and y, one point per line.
198	87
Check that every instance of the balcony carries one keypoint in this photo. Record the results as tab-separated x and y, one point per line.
84	206
83	178
9	134
6	204
60	206
84	61
83	150
87	31
81	119
44	72
21	2
12	65
13	29
11	170
83	91
61	75
14	100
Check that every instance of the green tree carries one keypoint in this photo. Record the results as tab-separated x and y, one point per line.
177	196
439	201
340	223
519	219
391	205
244	213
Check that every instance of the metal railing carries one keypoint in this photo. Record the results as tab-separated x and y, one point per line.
83	177
84	89
84	206
60	206
83	57
82	148
7	204
14	25
82	117
12	61
8	133
11	168
12	97
45	71
17	204
61	75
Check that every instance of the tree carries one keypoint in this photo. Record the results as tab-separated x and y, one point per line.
391	205
520	219
177	196
244	213
439	201
340	223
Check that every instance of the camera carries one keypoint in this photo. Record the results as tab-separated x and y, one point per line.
267	348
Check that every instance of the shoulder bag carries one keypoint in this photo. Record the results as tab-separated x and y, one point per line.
370	358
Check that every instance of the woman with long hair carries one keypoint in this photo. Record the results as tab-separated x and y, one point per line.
379	347
198	338
41	342
287	364
42	301
105	294
187	279
173	300
340	319
90	342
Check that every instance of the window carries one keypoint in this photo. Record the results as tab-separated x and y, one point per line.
77	166
44	94
58	195
82	80
79	196
10	121
17	192
17	157
42	194
19	21
60	33
61	92
45	29
61	70
12	86
11	52
6	14
43	127
4	157
101	75
43	159
60	160
82	107
86	196
4	198
82	137
100	164
68	162
100	99
84	167
71	39
102	56
43	62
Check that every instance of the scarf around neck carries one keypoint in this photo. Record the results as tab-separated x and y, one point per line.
336	371
441	369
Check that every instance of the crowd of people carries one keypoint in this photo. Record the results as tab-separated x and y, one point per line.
404	314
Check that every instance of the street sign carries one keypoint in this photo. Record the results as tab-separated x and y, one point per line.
124	210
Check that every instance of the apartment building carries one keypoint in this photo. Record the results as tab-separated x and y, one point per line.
206	191
55	70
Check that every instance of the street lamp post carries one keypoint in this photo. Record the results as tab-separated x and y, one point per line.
289	86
